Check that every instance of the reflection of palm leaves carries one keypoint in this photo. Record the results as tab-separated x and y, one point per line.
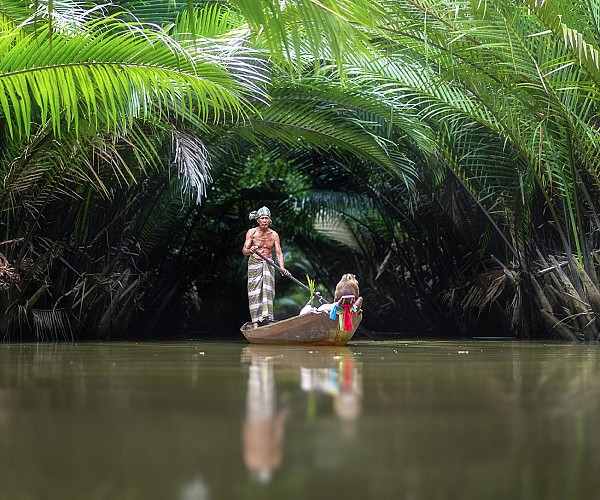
51	325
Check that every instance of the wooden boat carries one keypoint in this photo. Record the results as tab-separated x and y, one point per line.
313	328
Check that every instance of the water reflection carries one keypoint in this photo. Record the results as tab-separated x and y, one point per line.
341	381
411	420
332	371
264	425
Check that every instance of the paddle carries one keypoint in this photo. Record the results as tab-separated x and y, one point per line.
271	262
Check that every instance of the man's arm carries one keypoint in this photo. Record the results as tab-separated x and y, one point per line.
279	253
248	247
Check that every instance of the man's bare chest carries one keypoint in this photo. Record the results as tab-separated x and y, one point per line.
265	240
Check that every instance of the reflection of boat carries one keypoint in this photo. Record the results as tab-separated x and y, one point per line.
296	356
314	328
329	370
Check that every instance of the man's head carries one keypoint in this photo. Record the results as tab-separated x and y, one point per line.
260	214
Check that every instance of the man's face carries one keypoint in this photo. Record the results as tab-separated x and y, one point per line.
264	221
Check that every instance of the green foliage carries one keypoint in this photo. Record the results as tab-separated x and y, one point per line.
435	149
311	286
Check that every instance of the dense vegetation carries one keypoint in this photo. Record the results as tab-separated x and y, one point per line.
445	152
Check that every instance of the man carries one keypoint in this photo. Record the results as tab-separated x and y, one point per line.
261	277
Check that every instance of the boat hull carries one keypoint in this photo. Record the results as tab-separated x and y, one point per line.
314	328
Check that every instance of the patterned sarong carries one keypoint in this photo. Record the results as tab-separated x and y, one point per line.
261	289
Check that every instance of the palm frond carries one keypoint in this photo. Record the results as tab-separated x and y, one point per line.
191	161
112	71
287	28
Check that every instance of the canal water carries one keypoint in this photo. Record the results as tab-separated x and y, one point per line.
372	420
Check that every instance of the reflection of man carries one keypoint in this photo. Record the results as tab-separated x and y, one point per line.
263	429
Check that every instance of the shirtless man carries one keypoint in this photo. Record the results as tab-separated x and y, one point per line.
261	277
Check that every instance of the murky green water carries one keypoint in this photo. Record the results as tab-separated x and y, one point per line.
373	420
